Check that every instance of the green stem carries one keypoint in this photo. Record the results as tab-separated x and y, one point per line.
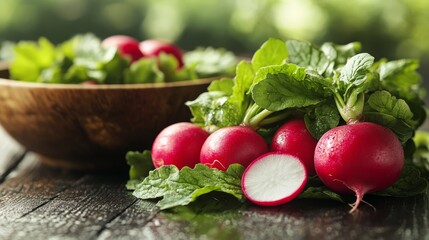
340	105
355	108
250	113
351	110
274	119
257	119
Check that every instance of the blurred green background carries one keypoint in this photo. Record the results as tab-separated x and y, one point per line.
392	29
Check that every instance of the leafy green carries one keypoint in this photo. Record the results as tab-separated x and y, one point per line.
354	80
339	54
409	184
280	91
293	69
225	103
421	155
306	55
321	192
30	58
83	58
315	189
210	62
384	109
239	98
223	85
321	119
401	78
233	106
330	70
144	71
77	60
179	188
354	72
384	102
211	110
169	66
272	52
299	78
140	164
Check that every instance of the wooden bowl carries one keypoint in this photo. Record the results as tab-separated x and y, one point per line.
91	126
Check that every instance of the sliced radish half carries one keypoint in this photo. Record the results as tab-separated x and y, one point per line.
274	179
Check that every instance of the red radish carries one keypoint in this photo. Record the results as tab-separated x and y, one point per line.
178	144
293	138
127	46
273	179
89	83
237	144
153	47
362	157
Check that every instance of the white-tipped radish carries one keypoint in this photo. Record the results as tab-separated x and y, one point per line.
273	179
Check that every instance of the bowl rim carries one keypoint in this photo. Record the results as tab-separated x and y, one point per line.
24	84
4	66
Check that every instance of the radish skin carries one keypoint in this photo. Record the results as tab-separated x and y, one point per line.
154	47
236	144
361	158
178	144
126	46
293	138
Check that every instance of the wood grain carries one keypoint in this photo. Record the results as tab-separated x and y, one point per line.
57	204
30	186
41	202
392	219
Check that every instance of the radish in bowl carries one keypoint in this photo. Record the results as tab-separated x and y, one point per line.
126	46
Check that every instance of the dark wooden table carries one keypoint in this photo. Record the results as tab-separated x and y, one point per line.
39	202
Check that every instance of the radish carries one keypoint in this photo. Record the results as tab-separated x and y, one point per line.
89	83
361	158
236	144
273	179
153	47
126	46
293	138
178	144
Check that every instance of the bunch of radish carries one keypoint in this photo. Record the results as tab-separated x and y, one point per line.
361	157
336	114
130	47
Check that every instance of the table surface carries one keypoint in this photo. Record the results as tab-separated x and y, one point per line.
40	202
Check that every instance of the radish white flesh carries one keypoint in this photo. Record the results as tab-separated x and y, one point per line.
274	179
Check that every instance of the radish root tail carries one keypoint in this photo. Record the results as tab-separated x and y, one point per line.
218	162
359	199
